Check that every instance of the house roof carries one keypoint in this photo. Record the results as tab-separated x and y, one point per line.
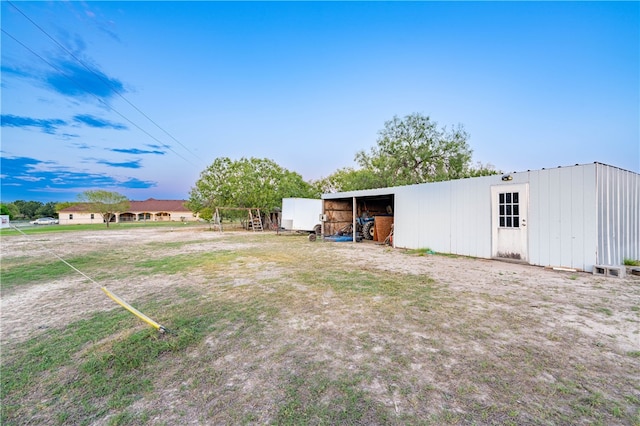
149	205
153	205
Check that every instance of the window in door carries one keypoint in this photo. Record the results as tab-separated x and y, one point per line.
509	210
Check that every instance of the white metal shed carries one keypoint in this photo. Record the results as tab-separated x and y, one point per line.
575	217
301	214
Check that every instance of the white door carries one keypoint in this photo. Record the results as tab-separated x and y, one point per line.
509	221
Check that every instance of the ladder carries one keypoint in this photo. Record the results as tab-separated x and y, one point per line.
255	220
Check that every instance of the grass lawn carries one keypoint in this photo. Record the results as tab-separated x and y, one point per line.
274	329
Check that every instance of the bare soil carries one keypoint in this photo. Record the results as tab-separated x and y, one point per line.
500	343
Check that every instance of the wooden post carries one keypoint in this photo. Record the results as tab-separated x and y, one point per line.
354	212
322	221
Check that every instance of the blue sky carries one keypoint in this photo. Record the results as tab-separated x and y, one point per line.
139	97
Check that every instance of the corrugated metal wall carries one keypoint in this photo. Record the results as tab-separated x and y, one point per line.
618	210
578	216
448	217
562	217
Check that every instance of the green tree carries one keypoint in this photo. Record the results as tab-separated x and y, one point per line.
28	209
106	203
248	182
413	150
12	210
482	170
348	179
206	213
63	205
47	210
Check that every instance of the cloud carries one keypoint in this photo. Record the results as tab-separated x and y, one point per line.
69	136
92	121
48	126
75	80
33	179
74	43
133	183
126	164
101	22
30	178
136	151
82	145
7	70
79	77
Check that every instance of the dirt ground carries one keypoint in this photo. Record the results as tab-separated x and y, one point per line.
24	311
590	320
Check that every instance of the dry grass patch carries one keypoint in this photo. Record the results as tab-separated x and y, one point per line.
275	329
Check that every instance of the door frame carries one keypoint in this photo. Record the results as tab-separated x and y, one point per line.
523	225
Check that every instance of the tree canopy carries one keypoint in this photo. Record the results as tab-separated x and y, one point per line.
408	151
63	205
5	211
248	183
348	179
414	150
21	209
12	210
106	203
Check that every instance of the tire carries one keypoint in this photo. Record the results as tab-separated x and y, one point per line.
367	230
317	229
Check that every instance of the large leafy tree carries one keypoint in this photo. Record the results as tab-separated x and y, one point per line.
248	183
106	203
28	209
348	179
4	210
12	210
482	170
47	210
63	205
413	150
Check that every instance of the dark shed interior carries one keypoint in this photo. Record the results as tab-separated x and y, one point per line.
339	212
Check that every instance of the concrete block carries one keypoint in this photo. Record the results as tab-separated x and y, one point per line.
609	271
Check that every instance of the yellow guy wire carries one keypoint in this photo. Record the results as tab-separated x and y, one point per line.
133	310
111	295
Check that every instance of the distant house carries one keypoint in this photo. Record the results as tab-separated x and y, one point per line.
150	210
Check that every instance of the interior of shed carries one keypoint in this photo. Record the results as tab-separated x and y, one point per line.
340	216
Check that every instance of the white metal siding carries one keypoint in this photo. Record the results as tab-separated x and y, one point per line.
455	216
422	215
618	207
584	234
301	213
562	217
578	216
471	225
448	217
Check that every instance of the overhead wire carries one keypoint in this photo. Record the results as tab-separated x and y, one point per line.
97	97
106	82
109	293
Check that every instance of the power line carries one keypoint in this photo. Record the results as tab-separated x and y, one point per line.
98	98
106	82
